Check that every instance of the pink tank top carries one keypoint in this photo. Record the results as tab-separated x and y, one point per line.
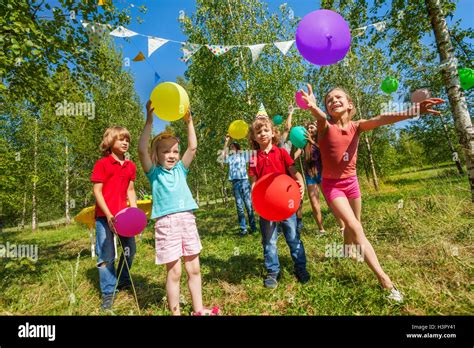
339	150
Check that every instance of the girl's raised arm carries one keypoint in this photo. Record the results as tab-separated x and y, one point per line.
192	141
388	118
319	114
143	154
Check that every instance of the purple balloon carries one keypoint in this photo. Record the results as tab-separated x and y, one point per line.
323	37
130	221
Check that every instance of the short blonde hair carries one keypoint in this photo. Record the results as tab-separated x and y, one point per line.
259	123
110	135
155	144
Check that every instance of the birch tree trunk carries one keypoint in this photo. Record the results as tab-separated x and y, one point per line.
457	100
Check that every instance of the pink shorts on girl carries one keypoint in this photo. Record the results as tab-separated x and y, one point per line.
176	235
347	187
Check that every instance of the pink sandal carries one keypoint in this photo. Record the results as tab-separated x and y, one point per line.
214	311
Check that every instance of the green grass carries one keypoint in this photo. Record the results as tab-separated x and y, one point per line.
425	246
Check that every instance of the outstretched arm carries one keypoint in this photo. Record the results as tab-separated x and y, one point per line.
388	118
143	154
192	141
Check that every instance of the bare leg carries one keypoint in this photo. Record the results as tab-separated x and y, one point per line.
313	193
191	264
355	232
172	285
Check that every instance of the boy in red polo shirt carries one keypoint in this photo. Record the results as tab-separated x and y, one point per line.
113	177
272	159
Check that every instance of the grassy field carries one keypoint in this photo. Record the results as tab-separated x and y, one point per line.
420	224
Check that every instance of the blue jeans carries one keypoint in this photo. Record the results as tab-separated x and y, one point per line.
269	242
106	253
241	189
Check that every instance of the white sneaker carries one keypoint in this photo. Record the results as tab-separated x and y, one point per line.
395	295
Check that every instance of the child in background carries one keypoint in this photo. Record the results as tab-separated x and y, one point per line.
272	159
176	233
312	170
113	177
338	140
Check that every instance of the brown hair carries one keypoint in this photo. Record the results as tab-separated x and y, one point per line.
110	135
259	123
309	161
349	98
155	144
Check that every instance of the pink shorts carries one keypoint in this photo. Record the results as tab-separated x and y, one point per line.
347	187
176	235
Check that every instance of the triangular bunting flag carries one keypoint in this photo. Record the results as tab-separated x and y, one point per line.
154	43
101	2
380	26
157	77
140	56
218	50
359	31
256	50
123	32
284	46
84	24
188	50
261	111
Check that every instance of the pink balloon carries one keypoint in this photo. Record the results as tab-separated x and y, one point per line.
419	95
130	221
299	101
323	37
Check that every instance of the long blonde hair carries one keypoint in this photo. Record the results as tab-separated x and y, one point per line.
259	123
110	135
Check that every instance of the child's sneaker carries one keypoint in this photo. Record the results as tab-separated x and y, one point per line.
107	302
395	295
271	281
302	275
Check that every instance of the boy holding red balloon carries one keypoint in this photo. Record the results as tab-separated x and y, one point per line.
113	177
272	159
176	233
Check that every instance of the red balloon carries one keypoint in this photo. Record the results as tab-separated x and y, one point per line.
130	221
276	197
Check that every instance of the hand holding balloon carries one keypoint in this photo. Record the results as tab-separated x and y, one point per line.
188	117
310	138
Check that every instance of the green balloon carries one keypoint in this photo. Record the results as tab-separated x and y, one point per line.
466	76
277	120
389	85
297	136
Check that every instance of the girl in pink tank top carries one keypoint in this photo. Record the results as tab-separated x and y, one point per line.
338	141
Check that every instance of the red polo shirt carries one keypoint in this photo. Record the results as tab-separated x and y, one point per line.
277	160
115	179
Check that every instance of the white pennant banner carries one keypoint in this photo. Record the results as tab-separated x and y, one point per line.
284	46
154	43
123	32
256	50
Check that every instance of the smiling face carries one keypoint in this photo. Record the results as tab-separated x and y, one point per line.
168	153
338	103
312	130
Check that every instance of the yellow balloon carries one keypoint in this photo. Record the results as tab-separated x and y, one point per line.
170	100
238	129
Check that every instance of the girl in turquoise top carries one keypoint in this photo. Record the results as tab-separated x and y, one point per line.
176	234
